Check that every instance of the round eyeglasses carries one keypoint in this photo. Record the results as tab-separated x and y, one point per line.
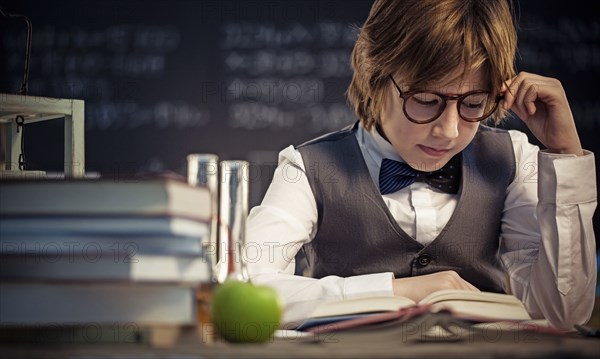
426	106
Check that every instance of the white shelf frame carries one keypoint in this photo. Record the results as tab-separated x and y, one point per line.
35	109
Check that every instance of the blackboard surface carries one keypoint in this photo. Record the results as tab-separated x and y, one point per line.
242	79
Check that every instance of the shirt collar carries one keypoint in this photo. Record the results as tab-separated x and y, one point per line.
376	146
374	149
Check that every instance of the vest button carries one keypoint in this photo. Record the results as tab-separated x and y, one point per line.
424	259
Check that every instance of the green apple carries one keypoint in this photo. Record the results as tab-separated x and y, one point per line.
244	312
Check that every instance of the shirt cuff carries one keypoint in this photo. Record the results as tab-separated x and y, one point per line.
566	179
378	284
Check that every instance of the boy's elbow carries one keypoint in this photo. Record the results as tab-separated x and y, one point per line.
566	319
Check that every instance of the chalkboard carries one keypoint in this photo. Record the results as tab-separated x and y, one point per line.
242	79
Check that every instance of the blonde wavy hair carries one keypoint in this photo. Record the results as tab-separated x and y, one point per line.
422	41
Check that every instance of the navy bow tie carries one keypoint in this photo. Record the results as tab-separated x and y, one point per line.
394	175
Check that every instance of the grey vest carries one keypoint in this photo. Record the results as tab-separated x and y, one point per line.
358	235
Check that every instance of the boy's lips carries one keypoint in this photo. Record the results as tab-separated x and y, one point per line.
432	151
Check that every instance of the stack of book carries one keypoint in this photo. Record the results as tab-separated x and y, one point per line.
102	252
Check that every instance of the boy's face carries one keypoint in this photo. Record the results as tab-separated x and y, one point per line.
427	147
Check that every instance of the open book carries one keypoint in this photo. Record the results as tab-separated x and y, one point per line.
475	306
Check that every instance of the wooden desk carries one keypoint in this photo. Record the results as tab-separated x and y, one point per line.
509	346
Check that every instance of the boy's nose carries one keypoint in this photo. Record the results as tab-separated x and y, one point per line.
446	125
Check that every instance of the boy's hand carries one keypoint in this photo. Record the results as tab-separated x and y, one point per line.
417	288
542	104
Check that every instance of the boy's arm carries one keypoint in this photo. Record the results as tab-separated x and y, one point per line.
277	229
549	247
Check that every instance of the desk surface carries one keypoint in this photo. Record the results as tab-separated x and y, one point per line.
505	346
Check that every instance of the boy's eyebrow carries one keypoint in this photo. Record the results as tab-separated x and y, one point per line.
432	88
451	94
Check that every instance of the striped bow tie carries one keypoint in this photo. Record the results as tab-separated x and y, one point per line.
394	175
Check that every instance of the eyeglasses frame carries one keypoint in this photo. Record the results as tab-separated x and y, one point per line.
459	98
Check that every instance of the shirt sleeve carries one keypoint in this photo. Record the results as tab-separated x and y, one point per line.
278	228
547	239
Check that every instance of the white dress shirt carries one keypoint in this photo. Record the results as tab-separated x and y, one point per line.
547	245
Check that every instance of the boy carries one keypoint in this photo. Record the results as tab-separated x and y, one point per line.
419	196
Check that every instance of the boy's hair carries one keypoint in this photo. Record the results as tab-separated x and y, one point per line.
423	41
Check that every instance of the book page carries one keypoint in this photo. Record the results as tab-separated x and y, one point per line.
478	305
361	305
481	311
454	294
